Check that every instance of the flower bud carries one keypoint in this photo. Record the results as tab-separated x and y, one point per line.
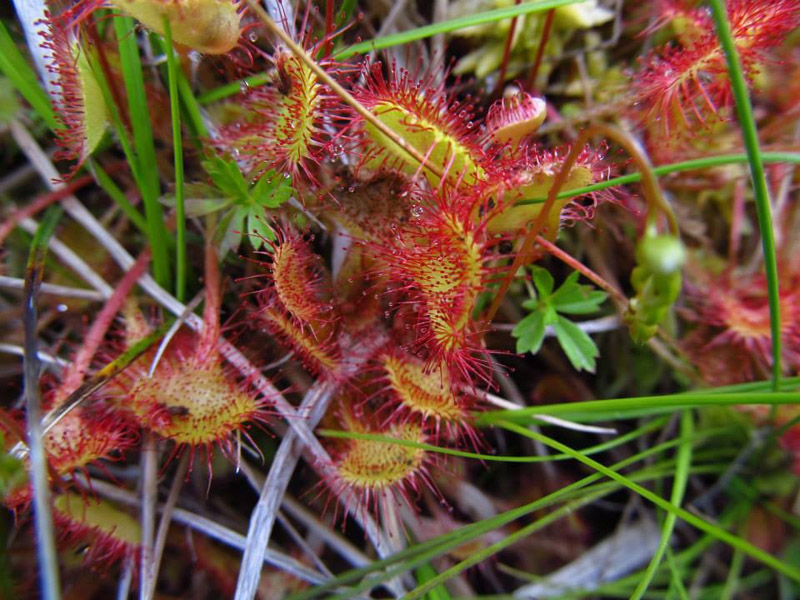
208	26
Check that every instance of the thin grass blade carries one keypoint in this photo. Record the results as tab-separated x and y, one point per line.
43	517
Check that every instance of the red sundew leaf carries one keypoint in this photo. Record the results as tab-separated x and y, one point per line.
424	115
280	126
78	99
680	85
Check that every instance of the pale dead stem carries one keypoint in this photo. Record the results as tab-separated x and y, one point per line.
305	545
312	523
166	517
15	283
45	357
72	260
149	462
46	553
441	11
506	405
599	325
262	518
162	347
126	578
320	460
314	405
331	537
212	529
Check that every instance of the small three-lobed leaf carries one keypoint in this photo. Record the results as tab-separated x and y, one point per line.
548	307
244	205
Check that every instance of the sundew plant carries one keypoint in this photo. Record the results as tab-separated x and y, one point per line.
468	298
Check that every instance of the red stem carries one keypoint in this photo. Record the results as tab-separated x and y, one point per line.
538	225
577	265
40	203
506	54
328	28
548	24
210	335
74	376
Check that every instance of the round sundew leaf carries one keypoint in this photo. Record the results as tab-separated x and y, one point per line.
515	218
515	117
428	392
440	148
100	517
192	403
373	464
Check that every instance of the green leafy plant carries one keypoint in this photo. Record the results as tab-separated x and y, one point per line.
242	206
547	308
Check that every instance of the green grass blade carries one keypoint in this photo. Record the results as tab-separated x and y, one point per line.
442	544
788	384
421	33
493	549
177	144
626	408
192	115
145	148
425	573
398	39
687	165
737	486
104	375
43	517
616	442
724	536
744	112
233	88
683	465
192	108
734	580
482	555
686	556
675	581
22	75
373	437
117	195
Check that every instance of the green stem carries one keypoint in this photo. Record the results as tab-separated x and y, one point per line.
107	184
744	111
620	408
177	145
145	156
43	517
491	16
233	88
688	165
721	534
613	443
682	468
398	39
